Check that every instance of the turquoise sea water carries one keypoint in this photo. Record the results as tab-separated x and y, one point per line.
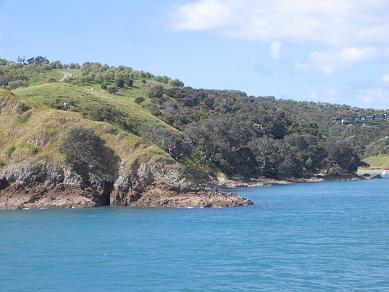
302	237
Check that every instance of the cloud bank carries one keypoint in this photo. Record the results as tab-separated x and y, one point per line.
335	22
353	30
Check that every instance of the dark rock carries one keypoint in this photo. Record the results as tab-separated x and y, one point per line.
167	197
157	184
3	183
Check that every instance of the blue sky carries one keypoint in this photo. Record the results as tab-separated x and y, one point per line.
325	50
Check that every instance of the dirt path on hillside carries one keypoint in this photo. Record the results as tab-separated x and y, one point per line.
66	75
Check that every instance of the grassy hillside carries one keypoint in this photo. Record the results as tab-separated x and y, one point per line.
86	99
38	132
378	162
34	123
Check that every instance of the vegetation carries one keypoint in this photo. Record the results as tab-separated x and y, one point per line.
86	153
378	162
206	131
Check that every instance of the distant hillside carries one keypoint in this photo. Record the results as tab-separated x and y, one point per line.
202	132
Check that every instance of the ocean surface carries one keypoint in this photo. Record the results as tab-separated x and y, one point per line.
331	236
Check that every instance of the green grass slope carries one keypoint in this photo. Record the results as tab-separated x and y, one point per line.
86	99
378	162
37	132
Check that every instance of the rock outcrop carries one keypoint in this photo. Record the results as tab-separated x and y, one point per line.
157	184
165	196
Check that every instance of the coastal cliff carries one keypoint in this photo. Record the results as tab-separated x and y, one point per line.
45	185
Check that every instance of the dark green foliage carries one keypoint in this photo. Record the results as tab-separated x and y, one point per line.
86	153
139	99
157	92
342	156
56	65
249	136
21	107
177	83
379	147
171	142
112	89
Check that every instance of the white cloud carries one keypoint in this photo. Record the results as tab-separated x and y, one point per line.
352	30
335	22
373	97
275	50
332	61
202	15
331	95
385	78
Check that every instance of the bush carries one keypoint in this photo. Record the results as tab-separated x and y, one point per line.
21	107
171	142
111	130
157	92
86	153
16	84
139	99
112	89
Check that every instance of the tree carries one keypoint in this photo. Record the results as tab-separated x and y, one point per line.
342	155
129	82
86	153
21	60
171	142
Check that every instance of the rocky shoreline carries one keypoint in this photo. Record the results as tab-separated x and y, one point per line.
43	185
263	181
157	185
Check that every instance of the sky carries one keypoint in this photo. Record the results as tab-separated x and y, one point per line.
333	51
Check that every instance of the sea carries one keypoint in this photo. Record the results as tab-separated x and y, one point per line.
330	236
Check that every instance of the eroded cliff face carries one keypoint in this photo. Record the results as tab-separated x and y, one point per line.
157	184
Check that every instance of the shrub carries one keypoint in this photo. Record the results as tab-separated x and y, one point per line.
16	84
139	99
111	130
21	107
112	89
51	80
157	92
171	142
129	82
87	154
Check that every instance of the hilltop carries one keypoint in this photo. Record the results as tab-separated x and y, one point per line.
93	134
